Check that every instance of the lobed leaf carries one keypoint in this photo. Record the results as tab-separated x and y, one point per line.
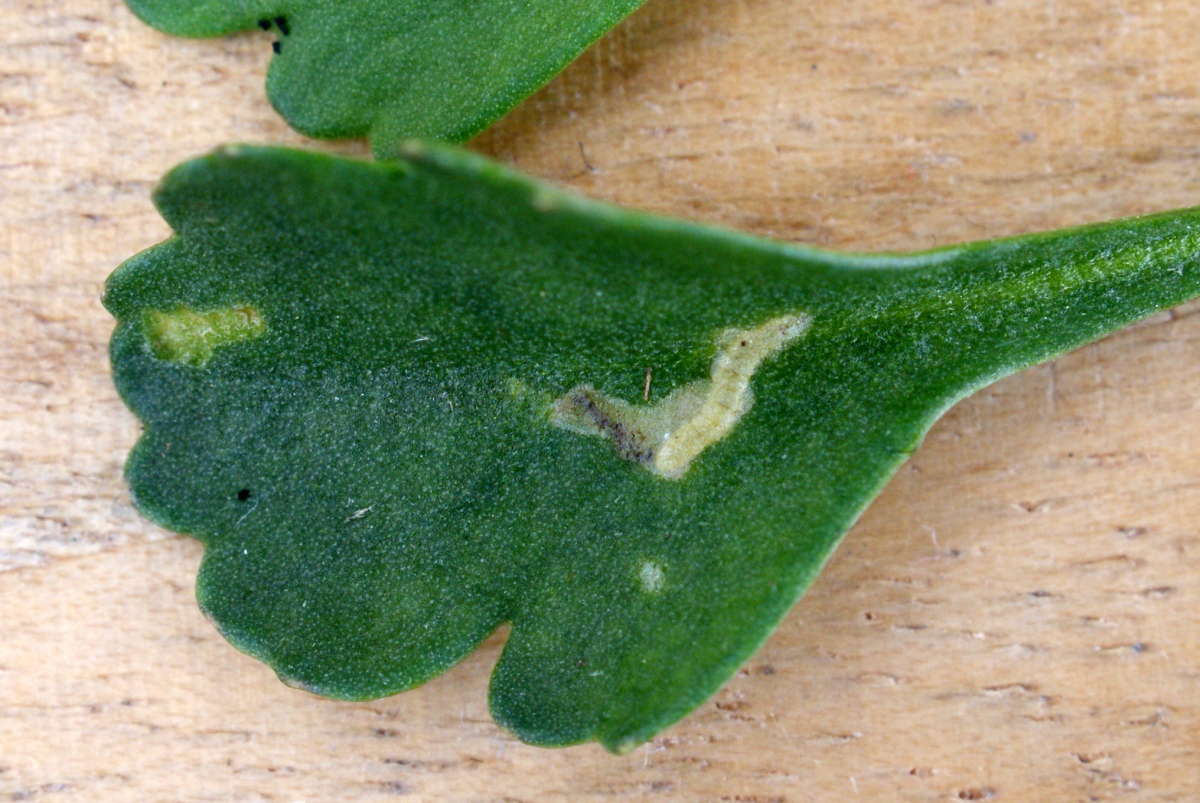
433	396
393	69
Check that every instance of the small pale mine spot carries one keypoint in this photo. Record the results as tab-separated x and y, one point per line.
651	576
187	337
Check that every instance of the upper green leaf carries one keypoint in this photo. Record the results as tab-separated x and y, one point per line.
393	69
402	403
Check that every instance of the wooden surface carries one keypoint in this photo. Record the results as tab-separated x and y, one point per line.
1016	618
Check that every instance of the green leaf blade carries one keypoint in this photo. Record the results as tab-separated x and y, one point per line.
408	488
392	69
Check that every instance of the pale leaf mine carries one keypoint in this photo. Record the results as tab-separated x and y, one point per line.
666	437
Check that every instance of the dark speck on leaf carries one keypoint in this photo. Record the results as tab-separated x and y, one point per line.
264	24
282	24
277	47
243	494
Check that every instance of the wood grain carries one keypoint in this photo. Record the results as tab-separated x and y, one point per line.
1016	618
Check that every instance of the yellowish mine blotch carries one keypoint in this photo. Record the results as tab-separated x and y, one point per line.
666	437
188	337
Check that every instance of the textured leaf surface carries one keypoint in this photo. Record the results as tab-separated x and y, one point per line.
361	390
393	69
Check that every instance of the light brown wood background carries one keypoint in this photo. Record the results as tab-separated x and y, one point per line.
1017	617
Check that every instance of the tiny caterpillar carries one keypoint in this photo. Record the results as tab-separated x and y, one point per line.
666	437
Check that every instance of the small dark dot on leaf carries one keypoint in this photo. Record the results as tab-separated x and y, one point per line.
282	24
277	47
243	494
264	24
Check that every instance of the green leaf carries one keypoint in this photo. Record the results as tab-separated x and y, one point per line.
403	403
393	69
